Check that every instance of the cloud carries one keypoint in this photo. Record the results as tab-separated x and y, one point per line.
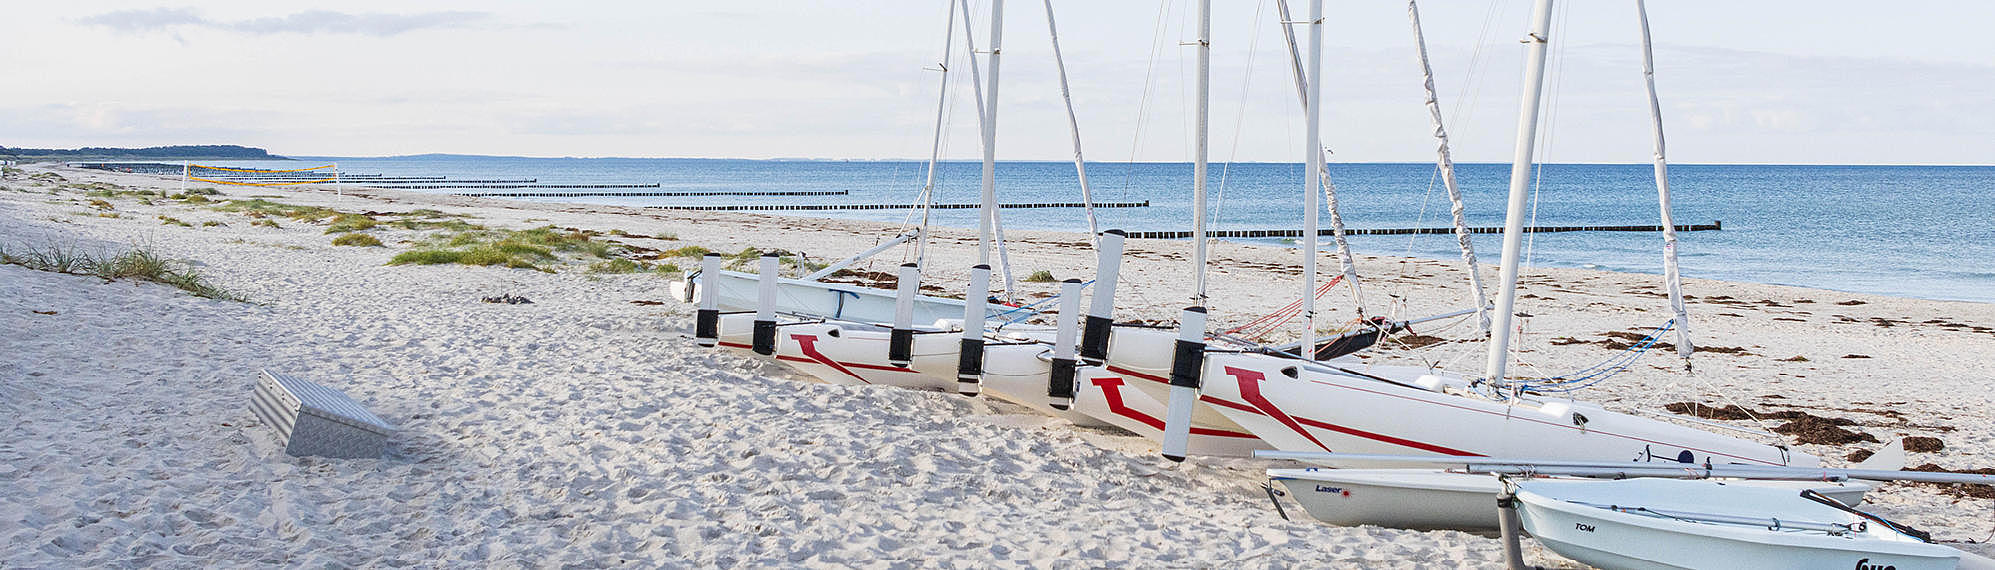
306	22
379	25
111	123
137	21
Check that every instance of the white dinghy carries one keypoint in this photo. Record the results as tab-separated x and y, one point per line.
1668	523
1434	499
1458	498
1658	515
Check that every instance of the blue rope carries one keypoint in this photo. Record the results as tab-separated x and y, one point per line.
1598	372
1029	312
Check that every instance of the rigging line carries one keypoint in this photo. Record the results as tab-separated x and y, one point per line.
1419	219
1346	259
1550	134
983	116
1186	87
1240	117
1143	102
924	198
942	177
1471	88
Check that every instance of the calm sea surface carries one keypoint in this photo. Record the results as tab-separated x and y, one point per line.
1914	231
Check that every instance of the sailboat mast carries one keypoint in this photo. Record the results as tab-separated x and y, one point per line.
1520	189
1073	123
1337	234
1198	167
1670	275
1188	353
935	149
988	218
1313	149
1445	161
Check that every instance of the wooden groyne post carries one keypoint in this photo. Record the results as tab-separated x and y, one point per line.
1713	226
666	194
831	207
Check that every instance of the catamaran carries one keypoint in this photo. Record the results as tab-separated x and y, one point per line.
1297	403
872	337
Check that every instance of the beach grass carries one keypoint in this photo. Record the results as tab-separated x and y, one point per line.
260	208
357	240
101	190
536	248
692	251
1040	276
428	219
344	222
625	266
138	263
746	257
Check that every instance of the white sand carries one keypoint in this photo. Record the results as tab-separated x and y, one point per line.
583	429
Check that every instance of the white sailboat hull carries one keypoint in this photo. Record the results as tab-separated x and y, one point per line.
737	292
1016	372
856	356
1308	409
840	355
1433	499
1142	358
1615	540
1114	399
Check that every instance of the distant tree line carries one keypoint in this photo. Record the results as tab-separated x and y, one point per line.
228	151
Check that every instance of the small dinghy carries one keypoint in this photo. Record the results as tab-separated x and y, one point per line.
1436	499
1668	523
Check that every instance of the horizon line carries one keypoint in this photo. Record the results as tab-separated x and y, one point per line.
973	161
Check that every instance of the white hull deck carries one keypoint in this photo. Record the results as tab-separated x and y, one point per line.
841	301
1433	499
1664	523
1299	408
1017	371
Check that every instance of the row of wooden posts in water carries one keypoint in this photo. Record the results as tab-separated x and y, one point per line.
442	182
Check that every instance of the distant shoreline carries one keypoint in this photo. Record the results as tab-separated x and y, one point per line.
173	152
1057	161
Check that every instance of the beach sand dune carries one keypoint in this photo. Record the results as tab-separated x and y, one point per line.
585	430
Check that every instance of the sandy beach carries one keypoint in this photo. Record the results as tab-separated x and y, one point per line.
586	429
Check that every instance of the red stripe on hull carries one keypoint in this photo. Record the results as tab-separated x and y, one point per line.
1111	390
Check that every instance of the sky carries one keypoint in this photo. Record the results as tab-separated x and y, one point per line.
1826	82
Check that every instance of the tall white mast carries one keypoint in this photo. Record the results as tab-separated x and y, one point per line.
1198	165
1188	353
1520	189
1337	233
1073	124
1445	161
1670	274
1313	146
988	109
935	150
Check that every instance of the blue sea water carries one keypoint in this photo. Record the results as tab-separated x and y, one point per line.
1913	231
